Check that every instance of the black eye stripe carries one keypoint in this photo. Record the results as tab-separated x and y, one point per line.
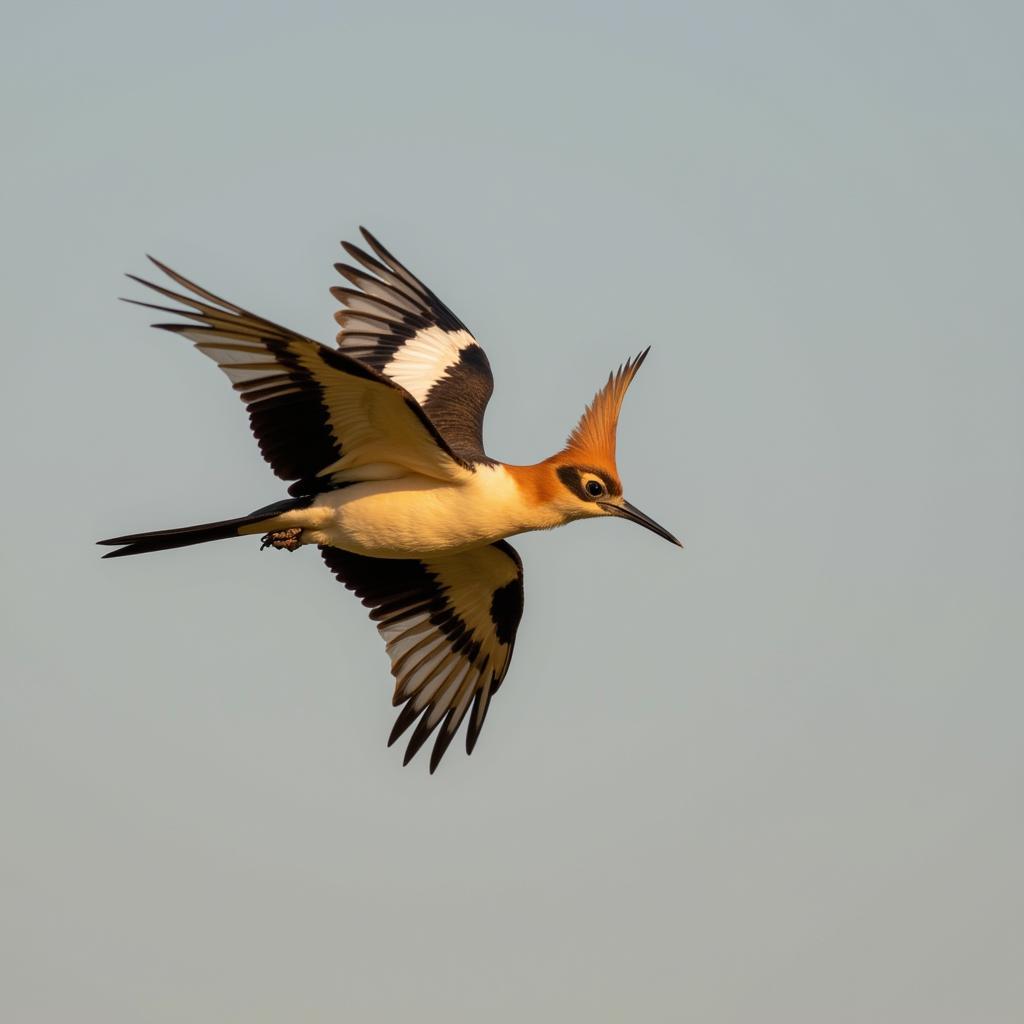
572	477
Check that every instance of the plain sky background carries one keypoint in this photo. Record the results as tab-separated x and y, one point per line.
774	777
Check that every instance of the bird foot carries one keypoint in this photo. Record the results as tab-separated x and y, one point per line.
286	540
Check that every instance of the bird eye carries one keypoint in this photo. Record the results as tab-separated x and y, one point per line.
594	488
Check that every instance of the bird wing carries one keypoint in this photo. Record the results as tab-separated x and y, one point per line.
320	416
449	625
396	324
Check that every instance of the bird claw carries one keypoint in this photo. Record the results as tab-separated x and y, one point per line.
286	540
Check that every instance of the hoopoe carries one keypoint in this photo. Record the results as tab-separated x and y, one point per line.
382	438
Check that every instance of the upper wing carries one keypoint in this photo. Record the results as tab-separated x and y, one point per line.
397	325
320	416
449	624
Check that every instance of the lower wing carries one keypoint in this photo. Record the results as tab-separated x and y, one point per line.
449	625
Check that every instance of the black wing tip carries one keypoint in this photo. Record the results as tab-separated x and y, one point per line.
359	255
368	235
365	232
444	738
373	265
421	734
440	748
161	266
159	309
152	286
179	328
405	718
355	276
473	735
375	244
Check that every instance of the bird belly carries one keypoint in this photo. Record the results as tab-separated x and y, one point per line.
412	517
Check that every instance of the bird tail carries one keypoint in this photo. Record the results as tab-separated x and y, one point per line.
162	540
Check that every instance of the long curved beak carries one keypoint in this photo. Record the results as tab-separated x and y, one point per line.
624	510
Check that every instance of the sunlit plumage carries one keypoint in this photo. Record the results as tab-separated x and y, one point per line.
382	440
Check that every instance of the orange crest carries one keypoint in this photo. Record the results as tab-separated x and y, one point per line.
593	438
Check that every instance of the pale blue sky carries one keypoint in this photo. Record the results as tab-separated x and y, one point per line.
776	776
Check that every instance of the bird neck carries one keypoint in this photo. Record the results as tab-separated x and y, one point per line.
538	490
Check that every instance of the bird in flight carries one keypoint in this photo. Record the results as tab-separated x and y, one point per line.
382	438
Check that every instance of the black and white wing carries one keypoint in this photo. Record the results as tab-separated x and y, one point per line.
321	417
449	625
397	325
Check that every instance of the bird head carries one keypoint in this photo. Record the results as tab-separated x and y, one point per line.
588	483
